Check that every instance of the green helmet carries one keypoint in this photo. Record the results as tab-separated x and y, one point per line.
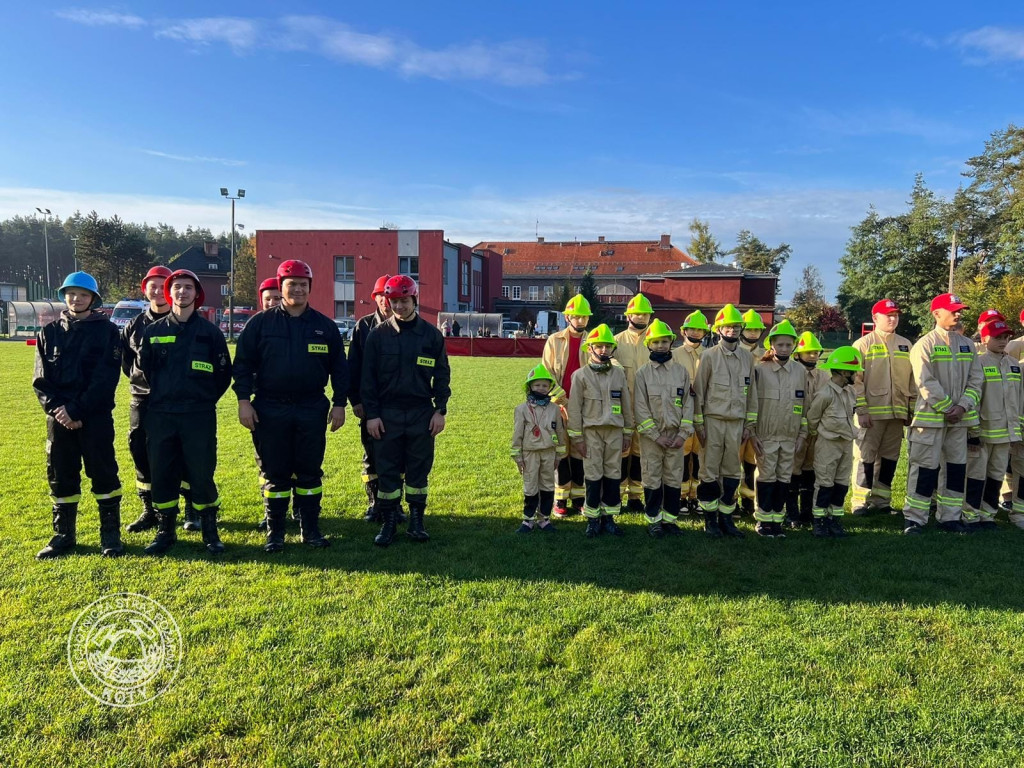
754	321
785	328
659	329
843	359
579	306
538	373
808	342
696	321
639	305
728	315
601	335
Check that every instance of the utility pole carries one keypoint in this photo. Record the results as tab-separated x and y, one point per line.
46	245
952	261
231	274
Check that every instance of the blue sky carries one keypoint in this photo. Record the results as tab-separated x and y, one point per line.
483	118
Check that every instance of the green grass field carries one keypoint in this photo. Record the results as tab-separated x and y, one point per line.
487	648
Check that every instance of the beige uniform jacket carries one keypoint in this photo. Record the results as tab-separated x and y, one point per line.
781	394
537	428
599	399
1015	348
688	357
663	401
555	358
631	354
1002	399
886	389
830	414
725	386
947	373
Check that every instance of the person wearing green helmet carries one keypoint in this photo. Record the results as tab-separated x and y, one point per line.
664	419
601	428
830	418
694	329
800	499
725	411
539	442
781	427
78	363
753	328
631	353
564	355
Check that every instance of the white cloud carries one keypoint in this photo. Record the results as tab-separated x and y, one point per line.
195	158
991	44
885	121
92	18
514	63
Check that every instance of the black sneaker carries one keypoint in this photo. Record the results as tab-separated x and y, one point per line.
547	527
821	528
524	528
611	527
656	530
835	530
953	526
913	529
779	533
764	529
593	527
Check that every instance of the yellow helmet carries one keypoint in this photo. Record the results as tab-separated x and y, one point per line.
785	328
728	315
601	335
639	305
579	306
808	342
843	359
658	329
696	321
753	320
538	373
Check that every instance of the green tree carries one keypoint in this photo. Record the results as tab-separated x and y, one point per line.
245	272
115	253
588	287
562	296
996	193
753	254
704	248
808	301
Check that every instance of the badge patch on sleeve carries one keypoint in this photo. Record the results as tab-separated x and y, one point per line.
1014	369
904	348
681	391
318	349
799	393
426	361
746	381
965	349
199	365
616	393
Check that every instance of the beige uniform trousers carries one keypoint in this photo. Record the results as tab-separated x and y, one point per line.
776	465
604	452
661	466
538	471
833	460
721	449
930	448
883	440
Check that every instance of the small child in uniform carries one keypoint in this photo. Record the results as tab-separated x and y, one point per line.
538	444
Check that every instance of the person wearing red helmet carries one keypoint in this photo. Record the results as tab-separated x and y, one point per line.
131	345
885	404
270	293
949	380
283	362
364	325
184	359
404	387
996	443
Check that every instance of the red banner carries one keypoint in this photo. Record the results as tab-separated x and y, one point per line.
485	347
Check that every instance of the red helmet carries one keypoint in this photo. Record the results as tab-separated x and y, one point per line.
200	294
294	268
378	287
270	284
158	271
401	285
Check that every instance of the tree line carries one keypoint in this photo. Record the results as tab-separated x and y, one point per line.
117	253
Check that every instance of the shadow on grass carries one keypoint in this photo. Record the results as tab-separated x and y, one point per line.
875	564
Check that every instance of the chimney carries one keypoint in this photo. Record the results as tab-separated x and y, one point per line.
666	242
600	238
211	248
540	239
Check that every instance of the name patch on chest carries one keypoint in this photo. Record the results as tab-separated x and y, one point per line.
799	393
746	381
965	349
318	349
681	391
1014	369
427	361
616	393
199	365
904	348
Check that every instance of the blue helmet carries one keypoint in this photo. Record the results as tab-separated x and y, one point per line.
85	281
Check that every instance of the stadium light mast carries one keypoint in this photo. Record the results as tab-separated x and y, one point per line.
231	272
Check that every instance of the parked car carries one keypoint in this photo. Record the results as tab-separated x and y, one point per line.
126	311
511	329
346	325
241	317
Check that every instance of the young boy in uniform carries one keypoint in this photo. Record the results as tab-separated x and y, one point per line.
781	427
694	328
538	444
664	419
750	340
830	417
78	360
601	429
800	499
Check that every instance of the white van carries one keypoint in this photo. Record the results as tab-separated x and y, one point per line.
126	311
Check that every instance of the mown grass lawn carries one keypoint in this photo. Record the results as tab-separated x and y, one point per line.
485	648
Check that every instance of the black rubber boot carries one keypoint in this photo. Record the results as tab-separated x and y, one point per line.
192	521
166	535
728	526
208	521
711	524
371	516
277	510
821	528
309	525
793	503
835	530
63	541
593	527
608	521
415	531
147	519
110	527
389	521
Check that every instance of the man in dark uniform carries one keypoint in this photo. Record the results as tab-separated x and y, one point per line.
355	369
285	357
405	390
184	359
270	297
131	343
76	373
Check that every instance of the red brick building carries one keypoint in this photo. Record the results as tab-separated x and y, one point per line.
709	287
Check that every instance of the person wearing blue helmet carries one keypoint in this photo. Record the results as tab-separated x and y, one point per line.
78	363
